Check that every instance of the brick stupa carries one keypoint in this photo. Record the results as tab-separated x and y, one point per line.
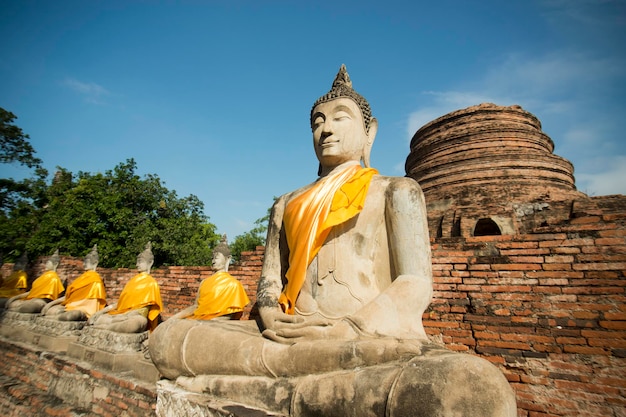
490	169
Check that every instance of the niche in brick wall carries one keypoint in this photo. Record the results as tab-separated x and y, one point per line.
486	227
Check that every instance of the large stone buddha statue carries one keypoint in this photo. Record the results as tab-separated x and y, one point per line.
139	305
345	281
221	296
47	287
16	283
83	297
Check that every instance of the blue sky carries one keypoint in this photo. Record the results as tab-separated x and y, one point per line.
214	96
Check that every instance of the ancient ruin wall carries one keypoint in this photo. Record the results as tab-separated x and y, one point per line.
548	307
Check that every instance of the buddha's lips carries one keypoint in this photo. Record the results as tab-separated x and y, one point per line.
328	143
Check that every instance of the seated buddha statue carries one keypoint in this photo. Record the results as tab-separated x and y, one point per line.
16	283
139	305
83	297
345	281
47	287
221	296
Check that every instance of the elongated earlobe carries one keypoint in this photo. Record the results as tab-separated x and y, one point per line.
367	148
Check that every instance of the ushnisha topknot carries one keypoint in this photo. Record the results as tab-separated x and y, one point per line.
342	87
92	256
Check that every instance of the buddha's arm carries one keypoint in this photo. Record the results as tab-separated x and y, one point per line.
398	310
51	304
17	297
270	284
99	313
185	312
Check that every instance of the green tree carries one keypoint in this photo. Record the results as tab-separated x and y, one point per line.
121	211
249	240
19	199
14	143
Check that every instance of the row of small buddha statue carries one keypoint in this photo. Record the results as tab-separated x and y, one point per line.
139	305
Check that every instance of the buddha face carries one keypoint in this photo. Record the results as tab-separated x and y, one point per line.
219	261
338	132
90	264
143	264
50	265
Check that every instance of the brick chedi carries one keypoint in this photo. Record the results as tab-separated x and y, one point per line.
489	169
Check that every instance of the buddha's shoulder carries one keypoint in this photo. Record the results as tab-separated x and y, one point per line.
394	184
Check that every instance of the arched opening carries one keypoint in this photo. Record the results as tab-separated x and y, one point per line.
486	227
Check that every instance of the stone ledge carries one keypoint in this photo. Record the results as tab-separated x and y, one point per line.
171	399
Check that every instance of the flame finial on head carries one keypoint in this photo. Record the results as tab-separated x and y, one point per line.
147	254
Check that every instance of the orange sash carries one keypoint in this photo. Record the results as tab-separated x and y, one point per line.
87	286
14	285
48	285
309	217
220	294
141	291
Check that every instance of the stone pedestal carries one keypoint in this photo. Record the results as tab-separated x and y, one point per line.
173	401
48	334
119	352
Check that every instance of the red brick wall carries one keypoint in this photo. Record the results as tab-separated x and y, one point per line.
34	383
548	308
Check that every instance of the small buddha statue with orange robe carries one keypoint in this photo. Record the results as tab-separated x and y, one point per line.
221	296
46	288
84	296
139	305
16	283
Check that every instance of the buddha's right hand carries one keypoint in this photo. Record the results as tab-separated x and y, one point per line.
274	319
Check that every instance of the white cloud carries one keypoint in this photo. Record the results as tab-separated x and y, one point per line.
92	92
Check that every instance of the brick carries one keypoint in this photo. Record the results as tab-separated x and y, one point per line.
585	350
613	325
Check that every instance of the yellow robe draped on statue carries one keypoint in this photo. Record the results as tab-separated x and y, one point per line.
48	285
141	291
309	217
14	285
86	293
218	295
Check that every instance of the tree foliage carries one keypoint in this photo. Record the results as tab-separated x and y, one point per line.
249	240
120	212
14	143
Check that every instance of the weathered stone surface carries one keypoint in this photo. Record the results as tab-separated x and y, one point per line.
120	352
172	401
445	383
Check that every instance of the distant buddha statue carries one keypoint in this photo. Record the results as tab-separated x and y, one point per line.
16	283
346	278
139	305
83	297
47	287
221	296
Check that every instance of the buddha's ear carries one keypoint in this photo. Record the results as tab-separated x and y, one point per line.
367	147
227	263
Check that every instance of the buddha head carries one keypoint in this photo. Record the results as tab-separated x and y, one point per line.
221	255
92	258
20	264
342	124
145	259
53	262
